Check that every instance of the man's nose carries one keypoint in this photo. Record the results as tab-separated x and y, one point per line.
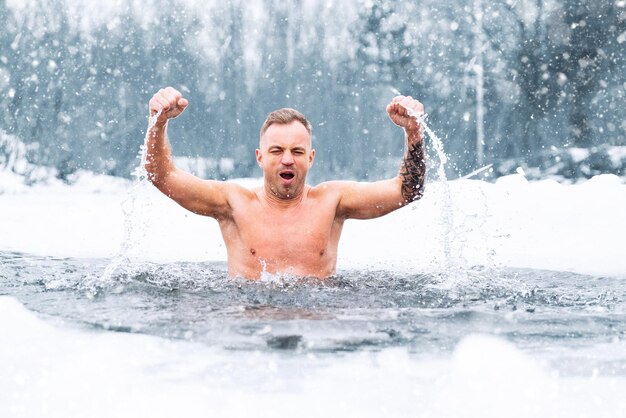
287	158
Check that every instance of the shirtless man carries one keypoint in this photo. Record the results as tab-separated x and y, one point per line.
285	226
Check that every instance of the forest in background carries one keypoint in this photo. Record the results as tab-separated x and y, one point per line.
509	79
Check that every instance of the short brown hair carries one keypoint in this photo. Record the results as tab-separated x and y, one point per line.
284	116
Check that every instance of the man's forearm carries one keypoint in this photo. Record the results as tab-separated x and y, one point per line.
413	169
158	153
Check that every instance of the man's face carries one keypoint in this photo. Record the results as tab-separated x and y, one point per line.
285	155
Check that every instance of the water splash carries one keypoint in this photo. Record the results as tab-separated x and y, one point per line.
437	143
140	172
454	270
446	203
132	206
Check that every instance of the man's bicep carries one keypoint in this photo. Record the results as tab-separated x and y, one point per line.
370	200
204	197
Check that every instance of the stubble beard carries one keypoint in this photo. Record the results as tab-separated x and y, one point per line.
285	193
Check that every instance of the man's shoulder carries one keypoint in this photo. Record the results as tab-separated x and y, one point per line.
241	190
332	185
330	189
336	187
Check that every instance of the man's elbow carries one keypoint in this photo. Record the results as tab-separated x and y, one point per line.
411	192
157	171
418	193
160	177
154	176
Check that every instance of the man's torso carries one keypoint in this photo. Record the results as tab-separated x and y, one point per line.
300	240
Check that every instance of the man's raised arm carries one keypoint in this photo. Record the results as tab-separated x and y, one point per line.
204	197
371	200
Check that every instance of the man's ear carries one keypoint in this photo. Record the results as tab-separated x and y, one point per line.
258	157
311	157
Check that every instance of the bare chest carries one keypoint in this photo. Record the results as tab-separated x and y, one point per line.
274	234
300	240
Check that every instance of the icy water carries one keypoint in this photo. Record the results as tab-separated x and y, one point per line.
544	313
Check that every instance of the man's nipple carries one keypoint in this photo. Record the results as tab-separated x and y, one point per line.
252	251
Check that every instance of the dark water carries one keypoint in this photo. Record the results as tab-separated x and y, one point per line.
356	310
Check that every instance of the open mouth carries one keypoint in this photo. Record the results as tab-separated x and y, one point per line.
287	176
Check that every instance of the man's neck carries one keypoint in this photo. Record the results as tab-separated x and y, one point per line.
282	202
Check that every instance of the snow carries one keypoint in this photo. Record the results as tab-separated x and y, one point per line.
578	154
